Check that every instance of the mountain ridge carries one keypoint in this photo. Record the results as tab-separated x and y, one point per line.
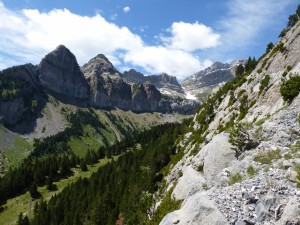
96	84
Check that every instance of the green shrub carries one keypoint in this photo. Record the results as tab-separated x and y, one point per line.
284	73
250	80
251	171
235	178
268	157
281	47
260	122
205	186
264	83
289	89
241	92
297	169
259	71
288	156
240	138
283	32
289	68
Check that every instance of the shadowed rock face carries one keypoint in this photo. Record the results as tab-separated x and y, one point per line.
109	89
97	84
160	81
12	110
99	65
60	73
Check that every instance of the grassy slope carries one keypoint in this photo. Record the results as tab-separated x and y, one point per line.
13	147
24	204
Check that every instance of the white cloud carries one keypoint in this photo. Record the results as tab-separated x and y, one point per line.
157	59
27	35
126	9
191	37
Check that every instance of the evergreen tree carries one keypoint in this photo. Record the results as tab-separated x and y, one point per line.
83	166
101	152
88	158
20	219
38	176
240	70
270	46
64	166
33	191
50	185
293	19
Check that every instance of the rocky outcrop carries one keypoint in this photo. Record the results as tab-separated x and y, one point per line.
97	84
166	84
14	109
60	74
109	89
206	81
99	65
260	186
196	209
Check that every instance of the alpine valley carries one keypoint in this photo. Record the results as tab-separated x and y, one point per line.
91	145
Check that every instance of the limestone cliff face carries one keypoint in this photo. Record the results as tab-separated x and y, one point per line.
219	187
60	74
110	89
13	110
166	83
97	84
206	81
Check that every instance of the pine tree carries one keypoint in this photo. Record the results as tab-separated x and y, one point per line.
83	166
240	70
33	191
64	166
101	152
50	185
270	46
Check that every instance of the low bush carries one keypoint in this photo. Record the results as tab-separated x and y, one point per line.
289	89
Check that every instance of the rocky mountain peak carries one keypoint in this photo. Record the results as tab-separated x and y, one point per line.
166	78
204	82
60	73
166	83
99	65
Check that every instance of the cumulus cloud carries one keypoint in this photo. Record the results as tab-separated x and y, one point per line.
27	35
155	59
191	37
126	9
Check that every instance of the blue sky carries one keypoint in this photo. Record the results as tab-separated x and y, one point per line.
178	37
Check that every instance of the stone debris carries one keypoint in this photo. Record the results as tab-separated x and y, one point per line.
258	200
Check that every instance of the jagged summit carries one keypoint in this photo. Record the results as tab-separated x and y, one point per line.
99	65
166	83
60	73
204	82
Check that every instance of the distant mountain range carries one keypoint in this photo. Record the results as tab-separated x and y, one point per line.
204	82
96	84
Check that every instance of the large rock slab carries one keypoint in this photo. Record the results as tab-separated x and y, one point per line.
190	182
216	155
291	213
197	209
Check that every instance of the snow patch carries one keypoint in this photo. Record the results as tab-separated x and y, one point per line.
190	96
